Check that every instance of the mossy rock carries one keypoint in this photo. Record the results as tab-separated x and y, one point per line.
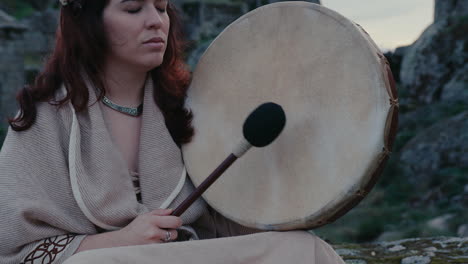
436	250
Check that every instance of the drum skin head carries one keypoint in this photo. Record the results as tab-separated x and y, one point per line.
341	106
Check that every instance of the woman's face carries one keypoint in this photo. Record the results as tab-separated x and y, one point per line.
137	31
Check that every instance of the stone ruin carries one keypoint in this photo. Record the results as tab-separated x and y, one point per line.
24	45
12	66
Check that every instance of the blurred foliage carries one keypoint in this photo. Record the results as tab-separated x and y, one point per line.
2	136
396	209
17	8
24	8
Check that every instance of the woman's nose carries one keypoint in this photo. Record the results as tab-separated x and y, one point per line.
154	18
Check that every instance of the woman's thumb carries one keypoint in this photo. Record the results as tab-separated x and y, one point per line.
161	212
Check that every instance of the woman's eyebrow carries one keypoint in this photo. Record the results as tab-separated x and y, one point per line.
123	1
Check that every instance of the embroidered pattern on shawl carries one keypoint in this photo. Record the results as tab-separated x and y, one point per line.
47	251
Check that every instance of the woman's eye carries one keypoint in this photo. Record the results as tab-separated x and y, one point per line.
161	6
162	10
134	11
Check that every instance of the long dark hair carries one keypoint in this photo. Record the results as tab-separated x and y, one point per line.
81	24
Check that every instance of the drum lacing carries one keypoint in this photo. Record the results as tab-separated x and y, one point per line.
361	193
386	151
394	102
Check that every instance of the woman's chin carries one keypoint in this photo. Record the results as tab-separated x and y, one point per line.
148	66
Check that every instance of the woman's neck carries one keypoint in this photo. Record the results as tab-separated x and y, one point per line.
124	86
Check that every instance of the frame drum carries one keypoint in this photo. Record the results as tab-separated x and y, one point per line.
341	104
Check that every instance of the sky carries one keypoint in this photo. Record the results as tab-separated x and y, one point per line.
390	23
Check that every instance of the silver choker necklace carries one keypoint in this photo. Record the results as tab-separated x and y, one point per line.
132	111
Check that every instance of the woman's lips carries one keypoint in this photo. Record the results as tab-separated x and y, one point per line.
157	43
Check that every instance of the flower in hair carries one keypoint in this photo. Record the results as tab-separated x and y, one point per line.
65	2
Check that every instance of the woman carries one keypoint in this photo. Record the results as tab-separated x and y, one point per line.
93	157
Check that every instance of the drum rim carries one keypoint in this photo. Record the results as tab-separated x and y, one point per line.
338	207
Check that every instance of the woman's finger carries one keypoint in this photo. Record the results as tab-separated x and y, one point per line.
167	222
168	235
161	212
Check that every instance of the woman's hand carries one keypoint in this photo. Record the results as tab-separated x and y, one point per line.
145	229
150	228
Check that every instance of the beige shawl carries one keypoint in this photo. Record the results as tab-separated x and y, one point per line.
64	178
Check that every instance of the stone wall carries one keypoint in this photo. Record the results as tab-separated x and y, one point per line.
38	40
11	66
24	46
